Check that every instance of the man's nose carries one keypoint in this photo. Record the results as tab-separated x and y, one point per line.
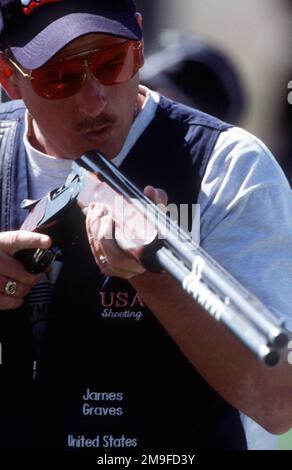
92	97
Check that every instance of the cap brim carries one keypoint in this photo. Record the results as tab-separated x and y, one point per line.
35	53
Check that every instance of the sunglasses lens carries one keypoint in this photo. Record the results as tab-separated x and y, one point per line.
58	81
111	66
116	65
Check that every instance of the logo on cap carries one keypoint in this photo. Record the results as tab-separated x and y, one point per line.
30	5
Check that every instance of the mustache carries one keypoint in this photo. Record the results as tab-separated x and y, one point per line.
95	122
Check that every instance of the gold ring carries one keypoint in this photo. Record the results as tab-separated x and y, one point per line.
10	288
102	259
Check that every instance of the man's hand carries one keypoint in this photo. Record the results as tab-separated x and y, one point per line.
112	256
13	270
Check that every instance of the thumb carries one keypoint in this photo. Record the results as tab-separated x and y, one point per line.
157	195
11	242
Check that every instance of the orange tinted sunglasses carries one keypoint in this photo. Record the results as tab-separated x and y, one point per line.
65	77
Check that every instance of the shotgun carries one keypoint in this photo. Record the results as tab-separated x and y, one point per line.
159	243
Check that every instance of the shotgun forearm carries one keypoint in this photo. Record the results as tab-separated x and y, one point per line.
160	245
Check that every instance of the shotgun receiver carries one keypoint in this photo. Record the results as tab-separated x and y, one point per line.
159	243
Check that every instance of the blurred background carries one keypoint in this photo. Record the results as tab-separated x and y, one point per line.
256	37
239	67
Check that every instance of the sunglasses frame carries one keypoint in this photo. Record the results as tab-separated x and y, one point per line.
86	63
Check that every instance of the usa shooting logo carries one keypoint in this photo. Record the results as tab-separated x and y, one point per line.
30	5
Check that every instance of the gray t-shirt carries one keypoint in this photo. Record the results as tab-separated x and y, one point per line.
246	225
246	218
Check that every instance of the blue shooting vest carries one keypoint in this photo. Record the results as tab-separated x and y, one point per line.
110	378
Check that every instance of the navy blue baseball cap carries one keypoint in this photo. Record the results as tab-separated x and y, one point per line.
35	30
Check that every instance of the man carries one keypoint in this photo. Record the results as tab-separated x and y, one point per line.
123	359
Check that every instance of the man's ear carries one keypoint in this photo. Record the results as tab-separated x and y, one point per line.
7	79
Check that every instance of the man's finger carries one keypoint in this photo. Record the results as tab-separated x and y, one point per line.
157	195
11	242
9	303
21	289
15	270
